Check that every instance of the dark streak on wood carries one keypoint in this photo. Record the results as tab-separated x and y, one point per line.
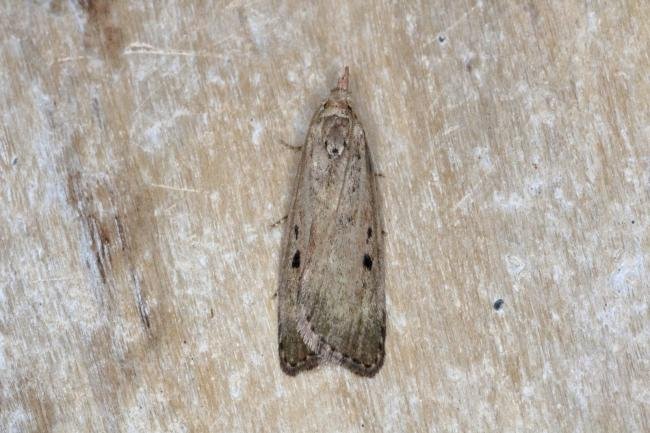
120	232
100	267
106	212
98	231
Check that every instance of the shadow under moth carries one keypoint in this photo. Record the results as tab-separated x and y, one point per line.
331	305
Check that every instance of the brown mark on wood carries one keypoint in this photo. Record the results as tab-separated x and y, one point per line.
108	250
101	31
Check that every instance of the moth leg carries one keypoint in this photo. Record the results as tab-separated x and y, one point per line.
279	222
294	148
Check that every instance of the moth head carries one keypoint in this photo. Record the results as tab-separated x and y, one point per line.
336	118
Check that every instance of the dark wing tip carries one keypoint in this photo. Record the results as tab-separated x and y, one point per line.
365	370
292	369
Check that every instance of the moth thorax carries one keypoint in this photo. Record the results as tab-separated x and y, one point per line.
336	131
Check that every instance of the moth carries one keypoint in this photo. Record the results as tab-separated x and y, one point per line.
331	304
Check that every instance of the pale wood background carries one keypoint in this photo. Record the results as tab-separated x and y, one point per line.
142	167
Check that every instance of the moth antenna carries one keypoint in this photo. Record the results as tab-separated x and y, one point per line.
344	79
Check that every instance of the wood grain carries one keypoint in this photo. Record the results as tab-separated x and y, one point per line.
142	168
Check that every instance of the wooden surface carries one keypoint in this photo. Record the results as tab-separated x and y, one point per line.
142	168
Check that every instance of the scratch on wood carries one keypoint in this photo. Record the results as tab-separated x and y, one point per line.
120	232
450	130
173	188
460	202
70	59
48	280
442	33
146	49
462	18
100	244
466	196
142	308
136	113
235	4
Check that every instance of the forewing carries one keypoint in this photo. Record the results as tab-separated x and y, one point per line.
295	356
341	297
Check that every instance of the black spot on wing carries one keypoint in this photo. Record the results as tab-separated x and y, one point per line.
367	262
295	231
295	262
